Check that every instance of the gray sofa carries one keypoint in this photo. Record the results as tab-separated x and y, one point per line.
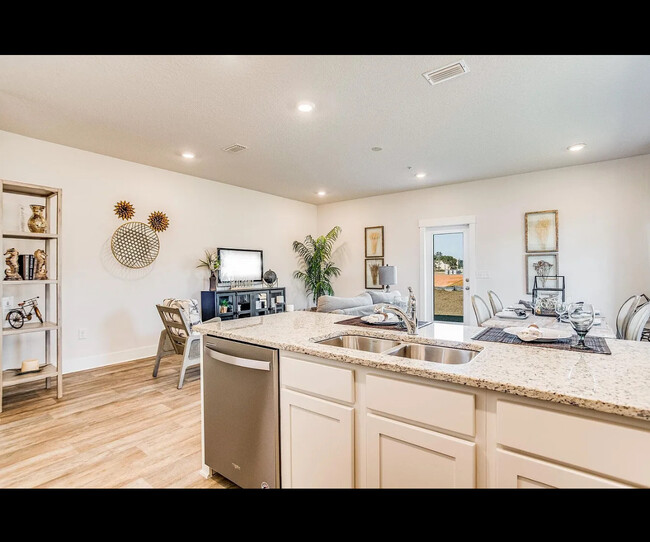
360	305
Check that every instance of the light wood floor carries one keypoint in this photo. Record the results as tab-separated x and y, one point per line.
115	427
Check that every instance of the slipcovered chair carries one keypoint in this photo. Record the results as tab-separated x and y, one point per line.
625	314
497	306
178	317
481	310
639	320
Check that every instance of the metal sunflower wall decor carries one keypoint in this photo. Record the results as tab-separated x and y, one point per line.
124	210
136	244
158	221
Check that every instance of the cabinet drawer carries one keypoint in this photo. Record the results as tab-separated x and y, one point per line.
615	450
518	471
325	380
438	407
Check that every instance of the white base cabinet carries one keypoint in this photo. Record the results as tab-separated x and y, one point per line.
317	442
344	425
400	455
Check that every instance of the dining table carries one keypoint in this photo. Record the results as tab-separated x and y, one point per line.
601	329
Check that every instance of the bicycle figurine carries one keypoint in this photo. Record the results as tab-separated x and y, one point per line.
24	312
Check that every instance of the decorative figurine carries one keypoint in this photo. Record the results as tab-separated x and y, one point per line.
40	269
11	271
17	317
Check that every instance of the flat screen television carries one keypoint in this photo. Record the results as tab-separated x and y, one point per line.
240	264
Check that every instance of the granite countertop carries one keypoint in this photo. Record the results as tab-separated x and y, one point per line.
618	383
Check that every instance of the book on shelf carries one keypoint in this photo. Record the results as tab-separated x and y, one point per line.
26	266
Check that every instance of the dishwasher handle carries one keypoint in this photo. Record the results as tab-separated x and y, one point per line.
239	362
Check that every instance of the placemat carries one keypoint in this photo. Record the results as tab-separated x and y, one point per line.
497	335
398	326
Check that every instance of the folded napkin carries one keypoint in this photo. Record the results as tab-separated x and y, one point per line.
380	317
511	313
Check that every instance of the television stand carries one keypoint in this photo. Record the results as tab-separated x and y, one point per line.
242	302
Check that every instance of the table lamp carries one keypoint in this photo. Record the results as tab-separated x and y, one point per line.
387	276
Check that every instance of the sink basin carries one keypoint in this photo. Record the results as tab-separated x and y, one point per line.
359	342
437	354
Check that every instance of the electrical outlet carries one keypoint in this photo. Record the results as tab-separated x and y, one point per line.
83	333
7	303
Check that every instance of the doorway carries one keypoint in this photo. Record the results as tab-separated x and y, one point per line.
446	270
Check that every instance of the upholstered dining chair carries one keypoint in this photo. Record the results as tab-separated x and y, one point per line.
639	320
497	306
178	317
625	314
481	310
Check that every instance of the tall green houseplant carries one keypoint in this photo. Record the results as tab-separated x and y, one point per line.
317	269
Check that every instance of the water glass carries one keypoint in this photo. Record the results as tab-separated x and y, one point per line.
581	318
560	309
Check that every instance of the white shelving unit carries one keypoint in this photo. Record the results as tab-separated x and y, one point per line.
49	301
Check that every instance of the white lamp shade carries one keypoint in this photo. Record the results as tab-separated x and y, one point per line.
387	275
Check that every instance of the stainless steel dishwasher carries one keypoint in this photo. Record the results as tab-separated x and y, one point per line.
241	412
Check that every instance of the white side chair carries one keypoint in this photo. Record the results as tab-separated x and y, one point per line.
497	306
625	314
481	310
178	317
639	320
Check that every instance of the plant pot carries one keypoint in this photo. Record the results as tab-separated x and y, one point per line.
37	222
223	309
213	281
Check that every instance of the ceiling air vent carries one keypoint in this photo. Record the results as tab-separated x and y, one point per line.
446	72
234	148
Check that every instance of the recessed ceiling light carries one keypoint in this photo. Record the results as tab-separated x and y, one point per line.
376	149
576	147
306	107
321	193
421	175
188	155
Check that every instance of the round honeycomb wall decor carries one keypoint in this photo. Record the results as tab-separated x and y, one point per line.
135	245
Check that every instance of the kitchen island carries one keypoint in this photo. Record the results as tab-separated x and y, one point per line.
514	416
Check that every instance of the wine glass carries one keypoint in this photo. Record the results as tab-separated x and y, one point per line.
560	309
581	318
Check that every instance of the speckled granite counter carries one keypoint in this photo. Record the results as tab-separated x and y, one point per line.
618	383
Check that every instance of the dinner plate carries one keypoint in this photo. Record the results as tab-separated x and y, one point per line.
381	322
548	335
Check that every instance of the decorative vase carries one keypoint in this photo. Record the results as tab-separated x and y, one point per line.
213	281
37	222
222	309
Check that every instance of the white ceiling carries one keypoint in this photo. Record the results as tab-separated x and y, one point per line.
509	114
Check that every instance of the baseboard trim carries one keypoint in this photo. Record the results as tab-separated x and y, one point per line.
100	360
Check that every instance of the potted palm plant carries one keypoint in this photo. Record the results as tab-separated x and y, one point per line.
211	262
317	269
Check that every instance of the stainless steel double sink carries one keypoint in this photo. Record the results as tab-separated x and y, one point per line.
424	352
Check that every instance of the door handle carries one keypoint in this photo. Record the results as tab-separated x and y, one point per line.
239	362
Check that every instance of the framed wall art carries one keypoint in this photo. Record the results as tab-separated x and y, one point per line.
541	231
375	242
372	266
541	265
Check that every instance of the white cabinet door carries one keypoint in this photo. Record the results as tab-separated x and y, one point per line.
400	455
518	471
317	442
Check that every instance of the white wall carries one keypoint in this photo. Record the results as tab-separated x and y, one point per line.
604	229
115	304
